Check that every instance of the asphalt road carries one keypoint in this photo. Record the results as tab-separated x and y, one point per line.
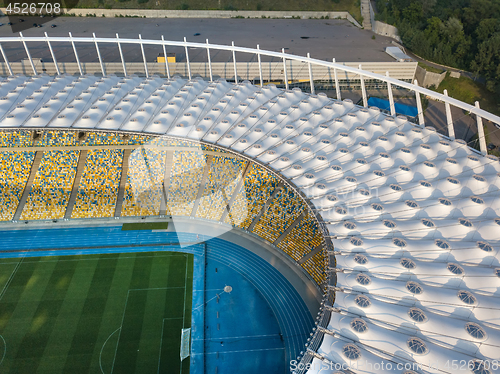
324	39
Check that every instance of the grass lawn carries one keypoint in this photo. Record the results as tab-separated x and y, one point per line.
469	91
145	226
430	68
351	6
120	313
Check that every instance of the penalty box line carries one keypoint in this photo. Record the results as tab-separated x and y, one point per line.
163	320
172	318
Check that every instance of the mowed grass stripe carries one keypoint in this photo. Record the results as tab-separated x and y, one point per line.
130	334
170	360
84	340
58	312
32	346
12	294
19	305
7	270
188	308
172	328
148	349
59	343
170	274
113	314
115	307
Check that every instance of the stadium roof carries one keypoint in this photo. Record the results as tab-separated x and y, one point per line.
414	216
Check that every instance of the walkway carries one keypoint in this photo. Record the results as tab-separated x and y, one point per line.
365	13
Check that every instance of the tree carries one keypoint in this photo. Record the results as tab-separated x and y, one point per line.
433	30
487	62
486	29
413	13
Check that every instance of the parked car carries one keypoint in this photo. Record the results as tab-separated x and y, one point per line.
491	146
53	25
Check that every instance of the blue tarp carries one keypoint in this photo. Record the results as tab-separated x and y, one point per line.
406	110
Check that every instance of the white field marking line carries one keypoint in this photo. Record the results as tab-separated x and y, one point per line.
10	278
183	314
4	349
185	291
291	334
90	259
248	350
119	335
161	344
265	280
158	288
206	302
240	266
238	337
14	272
102	348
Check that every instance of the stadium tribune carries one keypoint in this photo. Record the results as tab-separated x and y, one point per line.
189	225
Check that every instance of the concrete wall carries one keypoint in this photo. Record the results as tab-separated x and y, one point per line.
153	13
381	28
271	71
426	78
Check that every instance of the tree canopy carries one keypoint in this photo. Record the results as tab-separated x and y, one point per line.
460	33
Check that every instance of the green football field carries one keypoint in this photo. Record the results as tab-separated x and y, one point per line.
109	313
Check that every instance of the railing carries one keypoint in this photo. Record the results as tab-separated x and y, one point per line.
286	59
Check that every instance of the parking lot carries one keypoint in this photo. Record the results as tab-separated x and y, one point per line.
324	39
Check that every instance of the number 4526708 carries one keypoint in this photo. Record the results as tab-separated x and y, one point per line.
33	8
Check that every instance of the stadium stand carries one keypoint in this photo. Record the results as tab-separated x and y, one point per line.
16	139
223	177
302	238
185	179
97	190
99	184
144	186
52	186
14	173
282	211
315	266
105	138
57	138
258	186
